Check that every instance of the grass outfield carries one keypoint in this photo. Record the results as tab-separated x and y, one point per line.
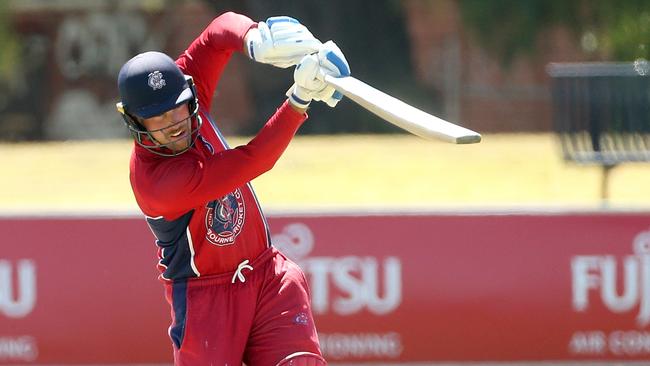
375	172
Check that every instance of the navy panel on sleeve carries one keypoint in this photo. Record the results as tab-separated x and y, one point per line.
173	239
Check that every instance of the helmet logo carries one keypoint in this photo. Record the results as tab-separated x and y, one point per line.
156	80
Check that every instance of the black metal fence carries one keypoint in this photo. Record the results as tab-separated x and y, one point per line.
602	112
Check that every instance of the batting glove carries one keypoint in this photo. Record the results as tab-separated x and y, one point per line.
309	77
280	41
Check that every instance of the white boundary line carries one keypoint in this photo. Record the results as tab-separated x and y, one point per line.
346	211
508	363
491	363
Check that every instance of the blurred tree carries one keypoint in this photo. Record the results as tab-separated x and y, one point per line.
618	30
9	51
18	119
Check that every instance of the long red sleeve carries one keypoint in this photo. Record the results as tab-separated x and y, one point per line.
198	177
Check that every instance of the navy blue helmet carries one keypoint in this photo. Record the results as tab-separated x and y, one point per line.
151	84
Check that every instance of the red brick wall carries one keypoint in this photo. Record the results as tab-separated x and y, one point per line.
479	91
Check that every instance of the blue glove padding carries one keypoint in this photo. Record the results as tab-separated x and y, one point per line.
309	76
332	59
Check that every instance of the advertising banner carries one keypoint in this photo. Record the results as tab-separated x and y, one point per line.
385	288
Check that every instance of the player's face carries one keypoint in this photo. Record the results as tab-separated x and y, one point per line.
172	128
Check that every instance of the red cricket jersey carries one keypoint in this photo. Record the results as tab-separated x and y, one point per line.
200	204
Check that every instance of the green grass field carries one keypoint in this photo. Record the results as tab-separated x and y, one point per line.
328	172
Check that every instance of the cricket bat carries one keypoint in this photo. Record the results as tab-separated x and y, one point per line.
401	114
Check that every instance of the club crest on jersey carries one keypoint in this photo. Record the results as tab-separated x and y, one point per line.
224	218
301	319
156	80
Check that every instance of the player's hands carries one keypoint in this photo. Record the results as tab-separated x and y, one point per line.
280	41
309	77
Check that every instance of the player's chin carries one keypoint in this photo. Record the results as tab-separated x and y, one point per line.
181	143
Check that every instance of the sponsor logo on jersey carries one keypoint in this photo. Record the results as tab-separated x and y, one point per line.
224	218
156	80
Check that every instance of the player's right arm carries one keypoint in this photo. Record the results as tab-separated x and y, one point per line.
174	186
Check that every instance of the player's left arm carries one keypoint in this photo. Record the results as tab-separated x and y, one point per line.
207	56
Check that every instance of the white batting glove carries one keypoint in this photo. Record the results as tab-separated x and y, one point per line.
308	82
280	41
309	77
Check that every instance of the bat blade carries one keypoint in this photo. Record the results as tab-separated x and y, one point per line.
401	114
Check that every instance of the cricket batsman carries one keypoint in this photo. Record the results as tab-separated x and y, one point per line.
234	298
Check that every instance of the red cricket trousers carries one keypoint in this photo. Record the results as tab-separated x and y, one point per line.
258	322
